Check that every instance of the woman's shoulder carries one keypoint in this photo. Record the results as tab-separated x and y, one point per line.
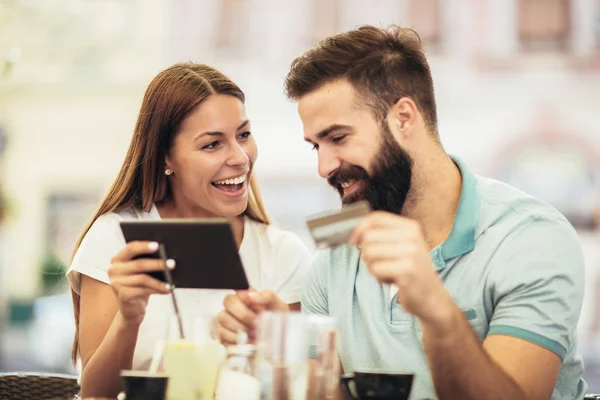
283	259
93	256
134	213
113	218
107	224
276	237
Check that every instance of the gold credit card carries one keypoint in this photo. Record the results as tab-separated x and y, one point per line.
333	228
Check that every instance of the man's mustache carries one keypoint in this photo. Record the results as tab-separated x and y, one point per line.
345	174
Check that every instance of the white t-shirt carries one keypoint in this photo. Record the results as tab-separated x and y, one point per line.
273	259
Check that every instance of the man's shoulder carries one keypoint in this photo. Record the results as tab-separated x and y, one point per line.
507	209
521	230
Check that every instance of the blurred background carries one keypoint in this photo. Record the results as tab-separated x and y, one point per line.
517	87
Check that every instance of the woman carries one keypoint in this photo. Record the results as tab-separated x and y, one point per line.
191	156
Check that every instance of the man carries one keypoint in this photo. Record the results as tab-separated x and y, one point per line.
469	283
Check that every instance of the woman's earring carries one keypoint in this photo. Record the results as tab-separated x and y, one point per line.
168	172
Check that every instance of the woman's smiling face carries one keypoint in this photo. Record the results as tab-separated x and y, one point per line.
212	157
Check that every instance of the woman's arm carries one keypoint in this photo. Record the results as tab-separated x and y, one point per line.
110	317
107	341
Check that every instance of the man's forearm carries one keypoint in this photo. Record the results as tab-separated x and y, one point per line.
460	367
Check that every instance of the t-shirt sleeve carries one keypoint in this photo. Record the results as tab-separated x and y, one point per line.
292	260
538	289
314	296
103	240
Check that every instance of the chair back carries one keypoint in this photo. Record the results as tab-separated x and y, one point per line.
25	386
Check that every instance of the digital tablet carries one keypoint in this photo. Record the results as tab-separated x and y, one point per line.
204	250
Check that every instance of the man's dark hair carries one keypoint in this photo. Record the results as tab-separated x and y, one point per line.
383	65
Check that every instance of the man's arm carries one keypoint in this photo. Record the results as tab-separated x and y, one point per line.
537	299
503	368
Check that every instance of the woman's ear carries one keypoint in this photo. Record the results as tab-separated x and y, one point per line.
168	167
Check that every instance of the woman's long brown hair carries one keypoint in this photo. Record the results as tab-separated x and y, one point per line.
141	182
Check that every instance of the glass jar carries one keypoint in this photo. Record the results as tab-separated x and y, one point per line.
236	376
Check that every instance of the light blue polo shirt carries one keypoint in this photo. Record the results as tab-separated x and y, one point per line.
512	263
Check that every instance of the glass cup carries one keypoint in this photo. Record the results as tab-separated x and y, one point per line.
282	355
192	363
324	371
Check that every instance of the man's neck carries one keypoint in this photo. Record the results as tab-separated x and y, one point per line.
434	197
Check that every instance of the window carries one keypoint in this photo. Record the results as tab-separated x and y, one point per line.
597	24
544	25
325	19
425	18
232	24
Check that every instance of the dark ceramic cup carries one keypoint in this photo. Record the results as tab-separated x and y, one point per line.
376	386
144	385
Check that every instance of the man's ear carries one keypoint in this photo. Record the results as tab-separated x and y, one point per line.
402	118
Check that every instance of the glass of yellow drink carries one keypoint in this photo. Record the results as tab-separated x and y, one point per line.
192	363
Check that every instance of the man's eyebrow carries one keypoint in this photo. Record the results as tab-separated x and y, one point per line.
329	130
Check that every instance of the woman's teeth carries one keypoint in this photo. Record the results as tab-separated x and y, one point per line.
234	181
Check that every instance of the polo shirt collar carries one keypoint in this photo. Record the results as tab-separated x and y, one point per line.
462	237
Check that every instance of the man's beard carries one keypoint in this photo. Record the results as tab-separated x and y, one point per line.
388	185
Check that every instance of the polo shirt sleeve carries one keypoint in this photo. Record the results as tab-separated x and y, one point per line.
314	296
538	284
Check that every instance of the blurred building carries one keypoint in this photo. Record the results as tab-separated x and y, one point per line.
516	81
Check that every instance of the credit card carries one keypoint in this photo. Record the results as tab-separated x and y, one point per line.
333	228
